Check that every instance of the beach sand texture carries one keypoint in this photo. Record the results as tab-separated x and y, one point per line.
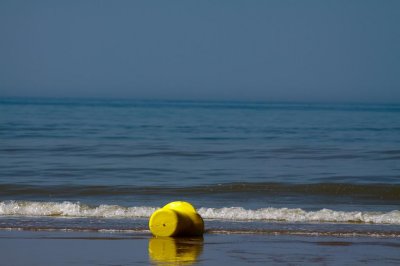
89	248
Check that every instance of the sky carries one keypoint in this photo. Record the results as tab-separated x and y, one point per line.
270	50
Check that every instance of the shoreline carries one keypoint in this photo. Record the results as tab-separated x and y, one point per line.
106	248
300	233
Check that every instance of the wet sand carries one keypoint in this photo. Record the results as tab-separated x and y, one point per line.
94	248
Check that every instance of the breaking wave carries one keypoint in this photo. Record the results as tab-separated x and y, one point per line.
71	209
300	215
76	209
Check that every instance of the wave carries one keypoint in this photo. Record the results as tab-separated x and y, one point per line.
300	215
380	192
185	104
71	209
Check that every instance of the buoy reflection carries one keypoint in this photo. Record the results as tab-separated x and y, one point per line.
175	251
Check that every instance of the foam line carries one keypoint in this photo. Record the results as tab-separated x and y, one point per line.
76	209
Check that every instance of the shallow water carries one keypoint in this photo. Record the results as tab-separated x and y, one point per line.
89	248
244	165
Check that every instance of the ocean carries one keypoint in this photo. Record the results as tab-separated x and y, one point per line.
104	165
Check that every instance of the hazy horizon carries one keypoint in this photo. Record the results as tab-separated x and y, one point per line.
258	51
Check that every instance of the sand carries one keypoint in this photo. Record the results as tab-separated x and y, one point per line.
105	248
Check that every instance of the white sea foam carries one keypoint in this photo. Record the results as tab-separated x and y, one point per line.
70	209
299	215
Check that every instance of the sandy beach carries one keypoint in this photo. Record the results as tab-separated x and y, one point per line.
94	248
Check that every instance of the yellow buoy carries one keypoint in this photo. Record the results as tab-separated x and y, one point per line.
178	218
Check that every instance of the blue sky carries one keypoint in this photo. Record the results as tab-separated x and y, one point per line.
280	50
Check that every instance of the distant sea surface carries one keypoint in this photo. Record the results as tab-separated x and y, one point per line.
81	164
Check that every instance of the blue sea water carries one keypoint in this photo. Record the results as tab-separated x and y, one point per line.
235	161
